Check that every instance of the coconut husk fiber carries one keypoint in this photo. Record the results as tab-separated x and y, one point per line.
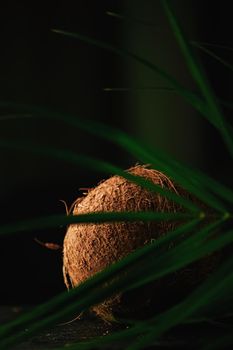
89	248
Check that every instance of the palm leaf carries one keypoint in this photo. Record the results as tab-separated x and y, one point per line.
152	261
139	151
58	220
199	77
96	164
210	53
214	117
125	282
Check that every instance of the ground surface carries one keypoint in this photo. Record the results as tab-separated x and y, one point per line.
90	327
60	335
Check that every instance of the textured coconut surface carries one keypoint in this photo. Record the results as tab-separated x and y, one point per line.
89	248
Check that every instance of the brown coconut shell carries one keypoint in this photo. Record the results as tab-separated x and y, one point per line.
89	248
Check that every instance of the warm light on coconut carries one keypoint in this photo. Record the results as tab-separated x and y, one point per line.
89	248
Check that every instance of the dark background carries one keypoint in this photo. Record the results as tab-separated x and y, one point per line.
40	67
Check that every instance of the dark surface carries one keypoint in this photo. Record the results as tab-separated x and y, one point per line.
87	328
193	335
61	335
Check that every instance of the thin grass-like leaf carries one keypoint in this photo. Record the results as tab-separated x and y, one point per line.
200	105
175	173
58	220
131	259
134	147
151	261
210	53
98	165
200	179
210	290
217	46
119	284
183	254
89	285
156	326
199	77
193	99
130	19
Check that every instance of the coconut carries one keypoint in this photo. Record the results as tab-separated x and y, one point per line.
89	248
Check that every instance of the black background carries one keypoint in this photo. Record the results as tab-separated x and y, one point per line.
40	67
